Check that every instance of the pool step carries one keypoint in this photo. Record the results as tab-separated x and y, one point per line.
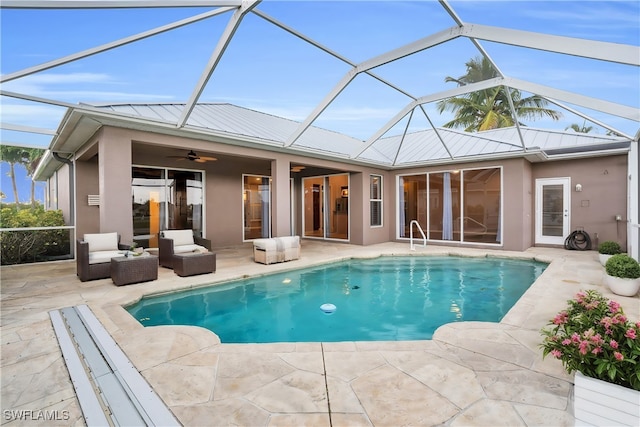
109	388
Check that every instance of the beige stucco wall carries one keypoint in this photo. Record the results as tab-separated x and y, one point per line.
87	217
603	196
119	148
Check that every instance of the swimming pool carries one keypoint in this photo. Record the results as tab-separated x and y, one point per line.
381	299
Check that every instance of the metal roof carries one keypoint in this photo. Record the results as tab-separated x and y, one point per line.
423	147
242	122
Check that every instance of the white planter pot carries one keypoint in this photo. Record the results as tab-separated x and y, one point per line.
620	286
603	258
599	403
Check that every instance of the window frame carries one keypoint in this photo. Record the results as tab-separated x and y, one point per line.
379	200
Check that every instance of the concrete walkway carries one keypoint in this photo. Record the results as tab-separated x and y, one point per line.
470	374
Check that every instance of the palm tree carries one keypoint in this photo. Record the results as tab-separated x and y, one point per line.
33	156
580	129
489	108
12	155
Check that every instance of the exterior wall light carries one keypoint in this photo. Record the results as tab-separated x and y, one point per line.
578	188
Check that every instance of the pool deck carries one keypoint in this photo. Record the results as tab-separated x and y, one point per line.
470	374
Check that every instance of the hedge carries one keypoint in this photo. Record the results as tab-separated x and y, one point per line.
19	247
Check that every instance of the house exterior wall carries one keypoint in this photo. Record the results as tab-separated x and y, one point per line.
59	193
109	174
603	196
114	182
518	200
87	217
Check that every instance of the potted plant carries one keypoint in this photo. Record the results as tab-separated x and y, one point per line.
607	249
594	338
623	275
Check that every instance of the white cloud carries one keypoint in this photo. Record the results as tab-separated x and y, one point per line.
70	78
35	115
68	87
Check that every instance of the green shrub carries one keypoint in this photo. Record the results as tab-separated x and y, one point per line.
609	247
622	265
18	247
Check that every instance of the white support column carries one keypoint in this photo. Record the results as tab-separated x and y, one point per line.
592	49
280	198
351	74
221	47
460	90
633	201
108	46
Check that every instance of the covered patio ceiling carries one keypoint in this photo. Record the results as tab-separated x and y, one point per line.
331	65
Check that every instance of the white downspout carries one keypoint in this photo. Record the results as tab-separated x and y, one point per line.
633	200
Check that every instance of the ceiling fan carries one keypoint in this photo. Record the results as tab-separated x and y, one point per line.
193	157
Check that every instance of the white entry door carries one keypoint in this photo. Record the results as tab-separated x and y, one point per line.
553	214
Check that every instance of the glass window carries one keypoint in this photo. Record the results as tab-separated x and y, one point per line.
481	220
165	199
463	206
256	199
326	206
413	202
444	205
185	200
375	200
337	220
148	187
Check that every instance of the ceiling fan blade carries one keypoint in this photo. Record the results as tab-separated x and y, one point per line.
208	159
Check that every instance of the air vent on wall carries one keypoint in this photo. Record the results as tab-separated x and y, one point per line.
93	199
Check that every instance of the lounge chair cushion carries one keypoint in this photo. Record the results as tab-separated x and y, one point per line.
102	242
265	244
179	237
182	249
103	256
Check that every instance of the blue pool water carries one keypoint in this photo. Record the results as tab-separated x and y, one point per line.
381	299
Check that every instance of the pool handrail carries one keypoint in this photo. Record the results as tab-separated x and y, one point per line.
424	238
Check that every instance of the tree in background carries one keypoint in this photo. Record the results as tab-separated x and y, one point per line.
13	156
580	129
489	108
33	159
27	157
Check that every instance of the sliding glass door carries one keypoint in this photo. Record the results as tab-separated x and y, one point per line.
256	199
326	207
165	199
456	205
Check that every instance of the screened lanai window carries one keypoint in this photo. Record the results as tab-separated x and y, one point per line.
456	205
481	192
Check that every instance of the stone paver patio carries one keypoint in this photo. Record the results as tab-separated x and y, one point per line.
470	374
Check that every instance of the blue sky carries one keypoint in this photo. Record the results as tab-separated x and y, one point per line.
267	69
